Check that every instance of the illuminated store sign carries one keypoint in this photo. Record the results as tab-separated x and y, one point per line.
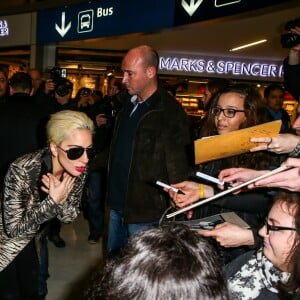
15	30
4	28
224	67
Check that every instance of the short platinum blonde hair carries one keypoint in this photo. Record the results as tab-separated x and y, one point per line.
62	123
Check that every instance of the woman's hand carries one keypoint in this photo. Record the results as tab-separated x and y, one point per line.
289	180
230	235
284	143
191	193
56	189
101	119
49	86
236	176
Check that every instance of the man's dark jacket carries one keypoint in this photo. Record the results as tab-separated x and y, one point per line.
159	153
22	126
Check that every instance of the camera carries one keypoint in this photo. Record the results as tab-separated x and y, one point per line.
105	108
86	92
289	40
62	85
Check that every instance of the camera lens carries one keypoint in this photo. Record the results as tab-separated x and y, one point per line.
289	40
63	86
86	92
62	90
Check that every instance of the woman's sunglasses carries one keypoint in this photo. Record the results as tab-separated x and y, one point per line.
77	152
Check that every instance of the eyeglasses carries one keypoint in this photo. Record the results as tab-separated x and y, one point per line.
277	228
77	152
227	112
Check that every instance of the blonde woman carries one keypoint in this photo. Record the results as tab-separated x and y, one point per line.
38	187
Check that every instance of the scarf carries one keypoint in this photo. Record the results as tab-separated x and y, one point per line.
256	275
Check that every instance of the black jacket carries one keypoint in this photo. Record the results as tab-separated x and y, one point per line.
292	79
159	152
22	125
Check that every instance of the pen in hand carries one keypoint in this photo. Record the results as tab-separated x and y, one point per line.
209	178
164	185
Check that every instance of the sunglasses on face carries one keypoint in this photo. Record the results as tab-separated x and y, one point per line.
227	112
77	152
277	228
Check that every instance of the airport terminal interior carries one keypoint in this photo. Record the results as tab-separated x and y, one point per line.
70	268
93	61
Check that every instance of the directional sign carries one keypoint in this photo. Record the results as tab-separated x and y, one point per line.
85	22
189	11
192	6
103	18
63	29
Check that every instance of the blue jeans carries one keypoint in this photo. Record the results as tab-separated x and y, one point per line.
96	185
119	232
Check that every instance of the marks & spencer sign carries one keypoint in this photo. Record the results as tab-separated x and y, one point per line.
220	67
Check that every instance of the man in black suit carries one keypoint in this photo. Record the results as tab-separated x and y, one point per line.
21	122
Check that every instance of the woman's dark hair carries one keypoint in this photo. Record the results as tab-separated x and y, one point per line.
255	114
253	106
292	201
167	263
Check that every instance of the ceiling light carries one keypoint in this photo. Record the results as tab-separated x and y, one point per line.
248	45
196	81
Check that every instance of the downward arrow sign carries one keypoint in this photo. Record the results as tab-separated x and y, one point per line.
192	7
63	30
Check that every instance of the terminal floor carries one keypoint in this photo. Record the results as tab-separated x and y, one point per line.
70	268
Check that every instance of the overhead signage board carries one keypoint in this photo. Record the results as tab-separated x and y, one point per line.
15	30
209	66
103	18
189	11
